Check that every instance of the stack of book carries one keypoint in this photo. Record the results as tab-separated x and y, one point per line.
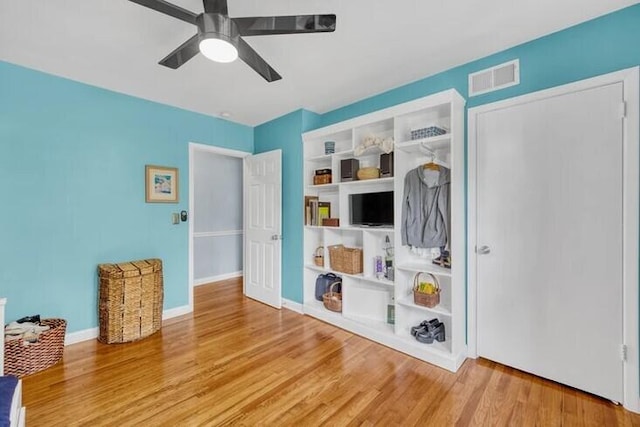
315	210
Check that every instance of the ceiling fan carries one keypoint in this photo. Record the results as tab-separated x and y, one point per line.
219	37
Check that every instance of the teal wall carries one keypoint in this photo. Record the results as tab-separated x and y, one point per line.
603	45
285	133
72	160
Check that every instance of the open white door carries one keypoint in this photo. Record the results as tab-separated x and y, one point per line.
262	227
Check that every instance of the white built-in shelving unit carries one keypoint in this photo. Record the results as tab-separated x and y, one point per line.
365	297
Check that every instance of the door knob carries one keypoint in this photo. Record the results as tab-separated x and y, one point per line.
483	250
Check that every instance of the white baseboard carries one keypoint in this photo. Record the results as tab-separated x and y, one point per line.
79	336
175	312
207	280
92	333
292	305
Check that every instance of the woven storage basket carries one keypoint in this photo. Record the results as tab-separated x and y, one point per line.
345	260
28	358
368	173
332	300
318	257
130	301
426	300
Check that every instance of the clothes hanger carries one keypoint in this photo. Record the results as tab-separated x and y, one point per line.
431	165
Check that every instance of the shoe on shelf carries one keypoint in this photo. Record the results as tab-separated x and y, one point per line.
424	326
436	332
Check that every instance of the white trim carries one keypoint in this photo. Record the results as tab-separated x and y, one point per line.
92	333
219	277
193	147
631	215
176	311
217	233
80	336
292	305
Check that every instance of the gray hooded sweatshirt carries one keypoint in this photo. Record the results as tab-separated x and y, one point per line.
425	208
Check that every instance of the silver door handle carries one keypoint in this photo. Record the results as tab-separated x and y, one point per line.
276	237
483	250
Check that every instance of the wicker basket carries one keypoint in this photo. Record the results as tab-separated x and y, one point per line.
23	358
130	301
322	179
318	257
423	299
368	173
332	300
345	260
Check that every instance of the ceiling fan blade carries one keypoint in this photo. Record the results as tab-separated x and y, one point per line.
169	9
255	61
216	6
182	54
265	26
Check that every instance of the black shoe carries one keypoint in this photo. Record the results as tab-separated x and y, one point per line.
425	325
427	336
31	319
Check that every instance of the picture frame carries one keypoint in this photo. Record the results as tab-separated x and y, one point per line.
161	184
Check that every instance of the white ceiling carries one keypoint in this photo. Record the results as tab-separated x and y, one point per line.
116	44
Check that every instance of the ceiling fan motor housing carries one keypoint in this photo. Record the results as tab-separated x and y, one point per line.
217	26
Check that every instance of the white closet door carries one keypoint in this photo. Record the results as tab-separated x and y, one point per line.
550	211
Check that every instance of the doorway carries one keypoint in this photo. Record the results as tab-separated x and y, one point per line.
215	206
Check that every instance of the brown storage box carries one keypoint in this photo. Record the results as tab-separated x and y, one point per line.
322	179
23	358
130	300
331	222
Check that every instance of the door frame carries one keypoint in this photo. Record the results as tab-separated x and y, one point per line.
631	87
194	148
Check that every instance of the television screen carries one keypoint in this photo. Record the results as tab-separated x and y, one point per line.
371	209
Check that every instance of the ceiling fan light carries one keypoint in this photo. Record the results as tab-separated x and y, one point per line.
218	50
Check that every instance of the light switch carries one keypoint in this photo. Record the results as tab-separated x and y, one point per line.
175	218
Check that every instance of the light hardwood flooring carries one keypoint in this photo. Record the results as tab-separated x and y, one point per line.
238	362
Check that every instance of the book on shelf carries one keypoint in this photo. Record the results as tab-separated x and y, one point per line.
315	210
307	208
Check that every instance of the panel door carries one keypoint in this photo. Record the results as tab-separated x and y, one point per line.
263	213
550	215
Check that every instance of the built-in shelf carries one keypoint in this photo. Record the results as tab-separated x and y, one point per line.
438	309
433	143
426	267
366	298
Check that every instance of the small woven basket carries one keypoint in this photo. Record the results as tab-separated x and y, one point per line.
318	257
368	173
333	300
322	179
345	260
23	358
426	300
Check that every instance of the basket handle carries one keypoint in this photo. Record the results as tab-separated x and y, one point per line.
416	281
319	251
332	285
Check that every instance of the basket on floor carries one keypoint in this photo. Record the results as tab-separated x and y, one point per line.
345	260
422	298
333	300
130	300
24	358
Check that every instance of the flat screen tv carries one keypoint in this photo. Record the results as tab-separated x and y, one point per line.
371	209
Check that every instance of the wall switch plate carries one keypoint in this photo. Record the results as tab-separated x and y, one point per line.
175	218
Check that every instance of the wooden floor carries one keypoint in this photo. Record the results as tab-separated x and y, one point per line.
238	362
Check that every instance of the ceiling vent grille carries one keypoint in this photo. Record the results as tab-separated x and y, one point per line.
494	78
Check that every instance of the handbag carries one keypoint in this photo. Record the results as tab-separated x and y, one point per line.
324	282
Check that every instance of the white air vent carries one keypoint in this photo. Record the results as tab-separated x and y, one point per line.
494	78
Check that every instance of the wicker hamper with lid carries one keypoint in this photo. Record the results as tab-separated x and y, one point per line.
130	300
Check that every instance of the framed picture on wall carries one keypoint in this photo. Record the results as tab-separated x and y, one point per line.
161	184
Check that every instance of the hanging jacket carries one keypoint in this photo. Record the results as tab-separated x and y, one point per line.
425	208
